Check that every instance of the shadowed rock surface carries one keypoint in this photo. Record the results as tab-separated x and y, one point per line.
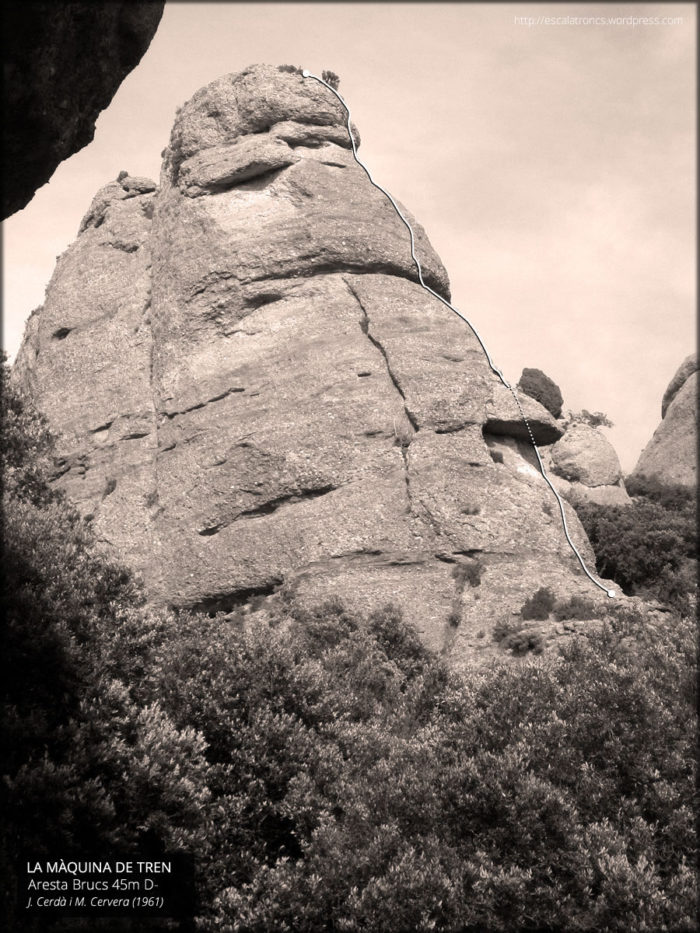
671	454
537	385
63	63
256	398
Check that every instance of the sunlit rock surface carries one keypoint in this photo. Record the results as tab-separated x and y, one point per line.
254	396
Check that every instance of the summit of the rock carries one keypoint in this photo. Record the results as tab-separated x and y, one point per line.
254	396
261	99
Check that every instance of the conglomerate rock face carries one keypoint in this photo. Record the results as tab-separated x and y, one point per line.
86	359
255	397
671	454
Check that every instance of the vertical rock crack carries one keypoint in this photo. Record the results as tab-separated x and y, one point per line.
403	441
365	324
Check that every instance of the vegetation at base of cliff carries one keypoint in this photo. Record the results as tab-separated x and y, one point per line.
328	771
513	636
673	497
86	770
649	548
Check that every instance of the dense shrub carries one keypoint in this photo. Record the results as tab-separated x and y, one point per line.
649	547
468	573
539	605
25	446
85	768
671	496
537	385
541	797
577	607
512	636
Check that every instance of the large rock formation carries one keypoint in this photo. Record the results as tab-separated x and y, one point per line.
63	63
255	397
671	454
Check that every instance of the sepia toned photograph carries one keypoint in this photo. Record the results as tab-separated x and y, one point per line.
349	467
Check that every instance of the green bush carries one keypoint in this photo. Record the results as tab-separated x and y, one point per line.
86	770
26	446
670	496
539	605
537	385
505	627
577	607
649	547
468	573
522	642
514	637
511	799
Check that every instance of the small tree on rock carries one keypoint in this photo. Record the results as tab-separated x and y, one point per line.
330	77
594	419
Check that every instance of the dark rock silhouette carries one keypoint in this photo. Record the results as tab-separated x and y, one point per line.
537	385
63	63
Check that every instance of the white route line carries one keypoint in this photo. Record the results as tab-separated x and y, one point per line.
495	369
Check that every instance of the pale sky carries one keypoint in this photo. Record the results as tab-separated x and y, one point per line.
552	166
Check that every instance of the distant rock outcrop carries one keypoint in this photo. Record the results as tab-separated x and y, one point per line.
63	63
671	455
683	373
255	397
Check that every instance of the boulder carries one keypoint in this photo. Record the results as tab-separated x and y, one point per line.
583	467
585	456
538	385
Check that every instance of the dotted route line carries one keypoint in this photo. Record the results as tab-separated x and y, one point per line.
494	368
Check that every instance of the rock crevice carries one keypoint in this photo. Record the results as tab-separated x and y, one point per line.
366	327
